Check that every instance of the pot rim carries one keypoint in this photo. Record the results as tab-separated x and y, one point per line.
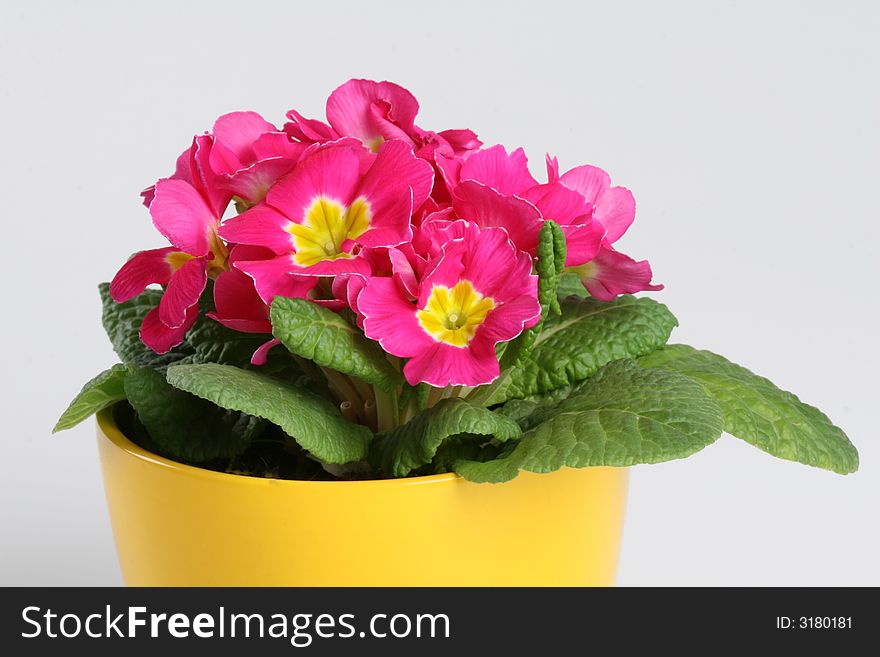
108	429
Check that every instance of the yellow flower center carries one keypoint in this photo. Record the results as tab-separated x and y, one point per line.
326	227
177	259
216	266
375	143
454	315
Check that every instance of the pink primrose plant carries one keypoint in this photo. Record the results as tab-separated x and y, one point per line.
360	296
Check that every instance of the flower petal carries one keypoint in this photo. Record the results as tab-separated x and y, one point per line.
261	225
275	278
277	144
450	170
308	130
208	160
508	320
462	141
161	338
552	168
372	111
404	272
390	318
243	325
183	292
335	267
145	268
612	273
495	267
253	183
443	365
582	241
616	209
238	131
590	181
506	174
181	214
329	172
261	355
237	303
487	208
559	203
395	167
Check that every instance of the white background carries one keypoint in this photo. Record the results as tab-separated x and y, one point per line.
748	132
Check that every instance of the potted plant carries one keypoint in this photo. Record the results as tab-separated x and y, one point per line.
359	326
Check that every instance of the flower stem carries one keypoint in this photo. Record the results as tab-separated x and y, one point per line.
386	410
372	420
434	396
342	387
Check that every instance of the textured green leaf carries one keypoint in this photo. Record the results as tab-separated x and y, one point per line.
587	335
403	449
622	416
184	426
104	390
122	321
549	266
758	412
314	422
465	448
214	343
318	334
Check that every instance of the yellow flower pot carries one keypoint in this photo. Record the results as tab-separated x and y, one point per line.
177	525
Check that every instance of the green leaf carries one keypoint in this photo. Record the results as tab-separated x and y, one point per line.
104	390
758	412
318	334
214	343
314	422
570	285
549	266
403	449
465	448
551	252
122	321
622	416
413	398
184	426
587	335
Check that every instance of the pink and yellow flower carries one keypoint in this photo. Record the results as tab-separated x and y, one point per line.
319	218
479	292
186	209
375	112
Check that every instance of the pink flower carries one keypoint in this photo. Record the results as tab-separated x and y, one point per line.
612	273
479	292
251	154
495	188
375	112
186	209
319	217
609	273
236	302
239	307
